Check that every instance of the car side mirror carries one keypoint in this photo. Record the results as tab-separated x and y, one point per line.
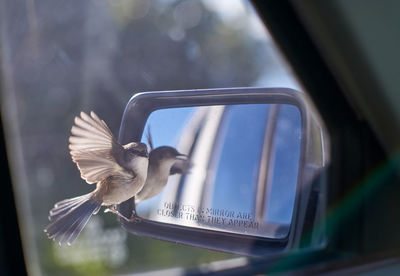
250	175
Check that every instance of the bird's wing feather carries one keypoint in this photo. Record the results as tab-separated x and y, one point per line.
93	147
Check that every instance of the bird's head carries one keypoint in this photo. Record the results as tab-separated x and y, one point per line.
163	158
135	149
165	153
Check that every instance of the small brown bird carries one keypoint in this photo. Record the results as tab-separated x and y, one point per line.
120	172
163	162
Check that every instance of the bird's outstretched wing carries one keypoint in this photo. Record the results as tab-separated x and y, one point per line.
93	147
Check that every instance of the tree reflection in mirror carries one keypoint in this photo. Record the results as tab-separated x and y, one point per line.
243	172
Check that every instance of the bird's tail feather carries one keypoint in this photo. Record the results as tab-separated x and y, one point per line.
70	216
64	206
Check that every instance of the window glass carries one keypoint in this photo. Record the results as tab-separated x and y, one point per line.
61	57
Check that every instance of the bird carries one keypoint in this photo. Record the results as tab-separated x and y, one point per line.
119	171
163	162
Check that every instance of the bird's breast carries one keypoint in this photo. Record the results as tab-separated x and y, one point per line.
139	166
117	190
122	186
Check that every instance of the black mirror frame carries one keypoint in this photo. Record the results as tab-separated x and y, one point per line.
136	113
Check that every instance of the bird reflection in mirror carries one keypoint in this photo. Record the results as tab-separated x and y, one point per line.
119	171
163	162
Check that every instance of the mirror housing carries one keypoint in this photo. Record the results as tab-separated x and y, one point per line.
305	231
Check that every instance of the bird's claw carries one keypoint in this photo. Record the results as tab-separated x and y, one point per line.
133	218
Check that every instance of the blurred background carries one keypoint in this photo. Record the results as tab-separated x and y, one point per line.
60	57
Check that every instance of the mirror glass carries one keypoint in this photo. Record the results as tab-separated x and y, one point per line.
238	171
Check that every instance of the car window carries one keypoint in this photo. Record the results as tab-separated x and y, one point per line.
59	58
